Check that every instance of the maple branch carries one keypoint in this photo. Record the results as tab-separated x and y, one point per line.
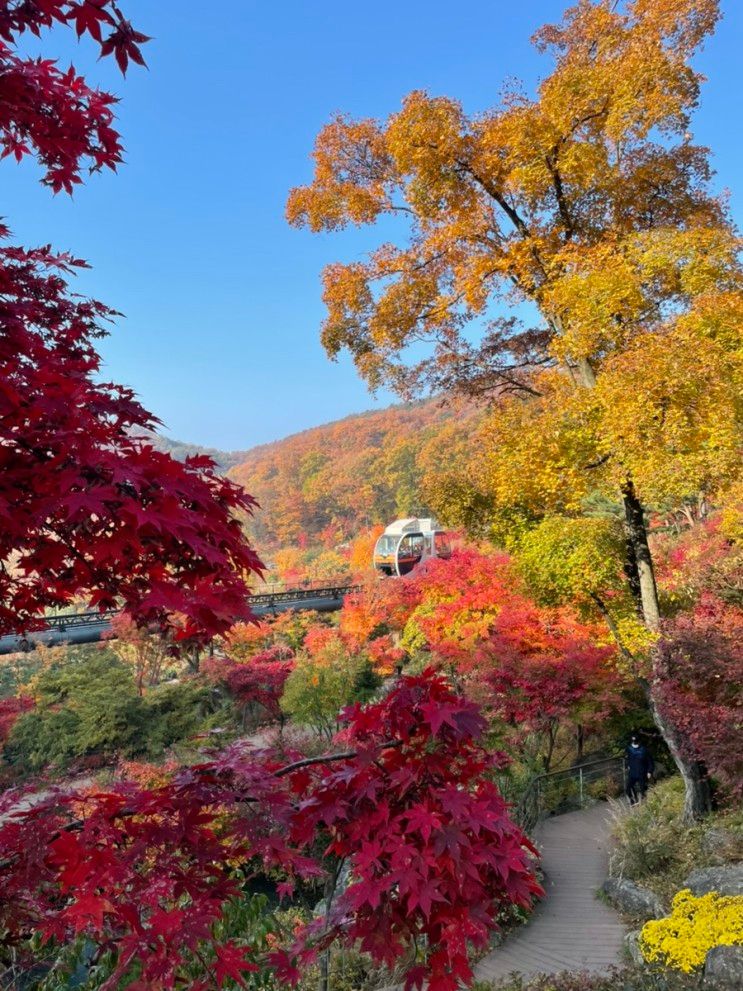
328	758
613	628
77	824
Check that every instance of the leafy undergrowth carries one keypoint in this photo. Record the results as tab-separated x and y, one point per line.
653	848
618	979
413	790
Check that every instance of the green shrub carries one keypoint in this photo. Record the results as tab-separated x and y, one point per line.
174	713
321	685
91	707
560	794
86	707
605	786
514	780
654	847
348	970
651	844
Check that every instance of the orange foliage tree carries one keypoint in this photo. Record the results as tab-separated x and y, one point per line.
362	550
382	607
536	669
590	204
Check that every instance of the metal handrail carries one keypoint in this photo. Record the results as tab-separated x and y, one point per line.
532	806
322	595
274	588
300	593
64	621
279	593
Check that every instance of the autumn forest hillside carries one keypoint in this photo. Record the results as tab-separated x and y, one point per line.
323	486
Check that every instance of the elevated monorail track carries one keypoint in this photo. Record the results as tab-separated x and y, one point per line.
90	627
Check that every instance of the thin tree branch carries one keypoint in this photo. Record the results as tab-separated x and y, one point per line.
613	629
329	758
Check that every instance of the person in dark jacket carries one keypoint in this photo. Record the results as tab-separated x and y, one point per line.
640	767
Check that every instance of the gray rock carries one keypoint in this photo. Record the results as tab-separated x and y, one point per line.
721	845
725	880
632	943
632	899
723	968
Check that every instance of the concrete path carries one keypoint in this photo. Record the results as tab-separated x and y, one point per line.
571	929
32	798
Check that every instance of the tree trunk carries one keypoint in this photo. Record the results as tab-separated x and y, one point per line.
638	538
698	796
586	373
331	882
697	801
632	575
551	740
324	982
193	658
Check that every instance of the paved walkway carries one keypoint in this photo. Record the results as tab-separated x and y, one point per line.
571	929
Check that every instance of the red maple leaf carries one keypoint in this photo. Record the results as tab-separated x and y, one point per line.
232	962
88	909
89	16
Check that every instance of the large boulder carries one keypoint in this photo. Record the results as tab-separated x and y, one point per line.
726	879
632	899
723	968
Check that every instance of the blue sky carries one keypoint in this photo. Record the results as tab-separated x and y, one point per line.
222	298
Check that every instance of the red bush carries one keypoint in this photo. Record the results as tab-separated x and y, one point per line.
698	676
10	710
256	681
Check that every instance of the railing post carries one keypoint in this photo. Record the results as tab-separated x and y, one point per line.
580	785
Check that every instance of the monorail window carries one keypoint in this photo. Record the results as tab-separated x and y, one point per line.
411	546
386	545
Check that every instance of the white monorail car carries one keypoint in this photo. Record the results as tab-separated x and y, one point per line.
406	543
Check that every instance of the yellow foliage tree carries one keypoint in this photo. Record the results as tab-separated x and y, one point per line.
588	206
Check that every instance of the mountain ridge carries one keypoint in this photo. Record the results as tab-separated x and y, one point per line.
225	459
324	484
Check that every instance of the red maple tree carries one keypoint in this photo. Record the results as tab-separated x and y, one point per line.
86	505
255	681
408	803
532	667
697	676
